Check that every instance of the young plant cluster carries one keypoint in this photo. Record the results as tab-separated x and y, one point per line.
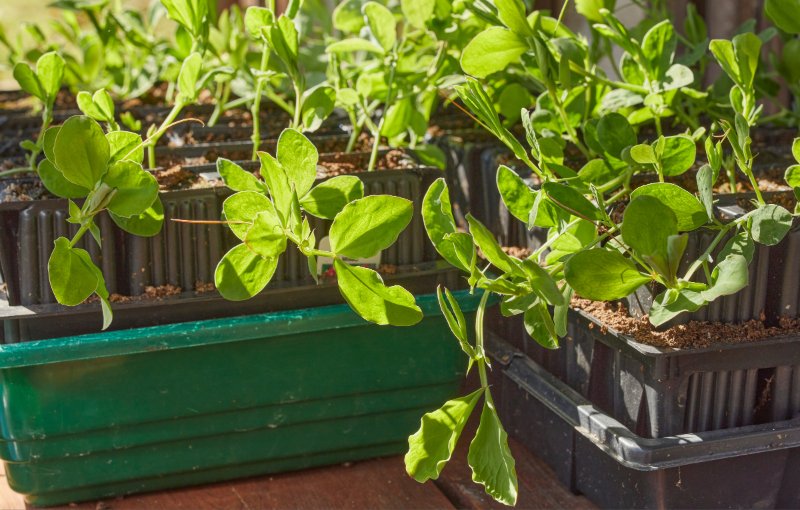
627	153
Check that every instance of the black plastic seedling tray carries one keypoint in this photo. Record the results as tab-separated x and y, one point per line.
39	322
596	455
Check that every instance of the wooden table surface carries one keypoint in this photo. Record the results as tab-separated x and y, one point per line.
372	484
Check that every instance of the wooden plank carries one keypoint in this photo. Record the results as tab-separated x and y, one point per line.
380	484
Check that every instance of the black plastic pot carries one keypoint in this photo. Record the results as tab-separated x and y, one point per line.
596	455
39	322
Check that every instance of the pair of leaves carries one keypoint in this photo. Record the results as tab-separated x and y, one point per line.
191	14
432	446
670	155
45	82
739	57
99	106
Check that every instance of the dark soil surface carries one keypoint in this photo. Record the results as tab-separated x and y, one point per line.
694	335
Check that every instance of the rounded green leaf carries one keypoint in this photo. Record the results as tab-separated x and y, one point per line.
365	292
56	184
418	12
87	106
680	153
368	225
382	24
398	117
146	224
240	209
71	278
28	81
50	71
615	134
770	224
49	142
602	275
491	51
792	176
327	199
241	274
135	188
352	45
256	18
689	211
647	225
266	237
189	77
298	157
81	151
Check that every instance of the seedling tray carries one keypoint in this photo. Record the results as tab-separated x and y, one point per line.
110	414
39	322
182	254
596	455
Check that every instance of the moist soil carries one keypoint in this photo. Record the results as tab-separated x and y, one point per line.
693	335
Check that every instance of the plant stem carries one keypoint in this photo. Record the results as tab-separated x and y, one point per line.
376	134
298	105
256	108
706	254
222	100
479	343
47	119
152	141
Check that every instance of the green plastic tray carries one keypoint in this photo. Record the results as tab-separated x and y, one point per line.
109	414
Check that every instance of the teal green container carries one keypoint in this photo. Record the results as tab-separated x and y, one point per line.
104	415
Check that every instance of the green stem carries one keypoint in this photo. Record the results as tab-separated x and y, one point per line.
47	119
377	132
79	234
222	100
256	108
706	254
479	343
155	137
357	127
298	105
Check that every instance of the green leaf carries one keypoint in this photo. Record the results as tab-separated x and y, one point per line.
572	201
365	292
688	210
398	118
540	326
432	446
347	16
646	227
418	12
147	224
672	303
189	77
71	278
680	153
318	104
796	149
189	13
277	182
705	188
50	72
257	18
382	24
125	145
729	277
266	237
512	14
590	9
602	275
28	81
723	53
677	76
430	155
369	225
237	178
517	196
491	51
57	184
644	154
542	283
747	47
81	151
241	274
437	215
241	208
785	14
770	224
352	45
490	247
615	134
135	188
792	176
455	320
49	142
490	458
327	199
658	46
298	157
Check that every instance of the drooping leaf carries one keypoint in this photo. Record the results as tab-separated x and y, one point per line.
365	292
71	279
572	201
146	224
491	460
437	215
770	224
189	77
516	195
539	325
430	447
489	246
